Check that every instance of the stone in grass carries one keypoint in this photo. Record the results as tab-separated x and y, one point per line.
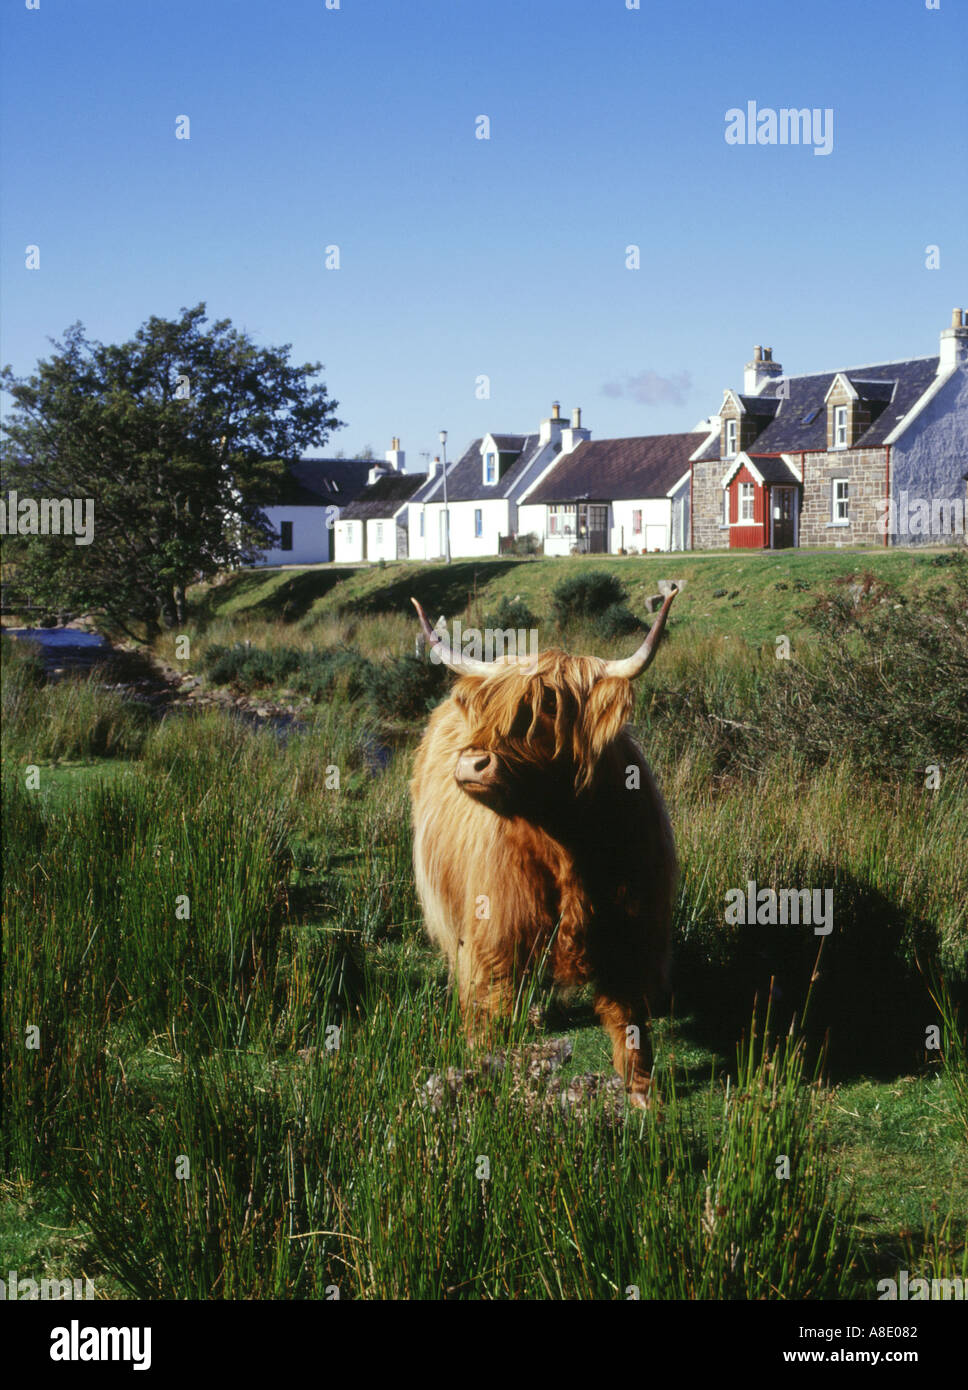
719	593
527	1065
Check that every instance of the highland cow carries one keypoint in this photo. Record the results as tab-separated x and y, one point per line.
540	835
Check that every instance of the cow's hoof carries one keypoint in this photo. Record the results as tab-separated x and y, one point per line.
643	1100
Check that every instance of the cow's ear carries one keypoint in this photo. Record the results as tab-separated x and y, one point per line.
605	713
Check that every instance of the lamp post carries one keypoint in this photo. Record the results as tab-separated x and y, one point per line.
443	447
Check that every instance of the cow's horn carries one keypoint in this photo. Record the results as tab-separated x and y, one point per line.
634	665
463	665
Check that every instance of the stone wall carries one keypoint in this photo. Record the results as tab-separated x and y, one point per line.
865	471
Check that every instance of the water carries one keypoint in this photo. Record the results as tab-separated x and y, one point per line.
65	648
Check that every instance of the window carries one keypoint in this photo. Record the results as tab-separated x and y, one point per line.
478	522
490	468
839	494
840	427
637	522
746	501
285	534
725	506
561	520
731	439
379	533
421	523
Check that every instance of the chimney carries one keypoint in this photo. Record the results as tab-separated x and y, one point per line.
395	457
954	343
761	370
572	436
433	468
550	431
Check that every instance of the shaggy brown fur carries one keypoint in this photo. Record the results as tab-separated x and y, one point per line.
555	848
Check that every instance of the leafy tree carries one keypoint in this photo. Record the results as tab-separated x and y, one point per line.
180	437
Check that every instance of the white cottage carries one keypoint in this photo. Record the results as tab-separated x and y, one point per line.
374	525
616	496
486	488
311	499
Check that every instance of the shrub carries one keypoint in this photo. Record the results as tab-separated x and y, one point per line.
586	596
618	620
510	612
404	688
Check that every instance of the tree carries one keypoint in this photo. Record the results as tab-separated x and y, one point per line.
180	437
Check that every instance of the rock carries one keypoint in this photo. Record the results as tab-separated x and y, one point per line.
719	593
666	586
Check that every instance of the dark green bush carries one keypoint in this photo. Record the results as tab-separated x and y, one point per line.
586	596
618	620
405	687
510	612
322	674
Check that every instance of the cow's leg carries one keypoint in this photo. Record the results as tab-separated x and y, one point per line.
630	1028
486	991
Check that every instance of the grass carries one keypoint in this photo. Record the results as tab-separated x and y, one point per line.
233	1068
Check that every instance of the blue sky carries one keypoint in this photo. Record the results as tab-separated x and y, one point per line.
462	257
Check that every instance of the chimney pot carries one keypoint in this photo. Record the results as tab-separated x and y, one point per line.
757	353
556	410
956	318
576	418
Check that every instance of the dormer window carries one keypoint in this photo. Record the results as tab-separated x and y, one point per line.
731	429
490	468
840	427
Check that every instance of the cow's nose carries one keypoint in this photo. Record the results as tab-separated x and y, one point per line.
478	766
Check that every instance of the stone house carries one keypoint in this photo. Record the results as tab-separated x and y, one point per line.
857	456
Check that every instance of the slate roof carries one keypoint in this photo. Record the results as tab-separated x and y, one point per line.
322	482
800	421
380	501
772	469
618	470
465	477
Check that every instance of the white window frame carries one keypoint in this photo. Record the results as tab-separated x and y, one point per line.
490	469
726	505
732	435
840	439
839	503
478	522
747	502
379	533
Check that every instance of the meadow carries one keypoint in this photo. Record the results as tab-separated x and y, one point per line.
232	1067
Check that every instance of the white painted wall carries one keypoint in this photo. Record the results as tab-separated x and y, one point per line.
656	533
381	539
312	534
463	543
348	547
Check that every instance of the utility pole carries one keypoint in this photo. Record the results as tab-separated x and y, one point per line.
443	446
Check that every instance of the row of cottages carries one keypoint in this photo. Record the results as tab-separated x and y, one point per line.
486	491
857	456
569	493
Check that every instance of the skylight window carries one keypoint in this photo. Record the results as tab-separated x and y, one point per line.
810	416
